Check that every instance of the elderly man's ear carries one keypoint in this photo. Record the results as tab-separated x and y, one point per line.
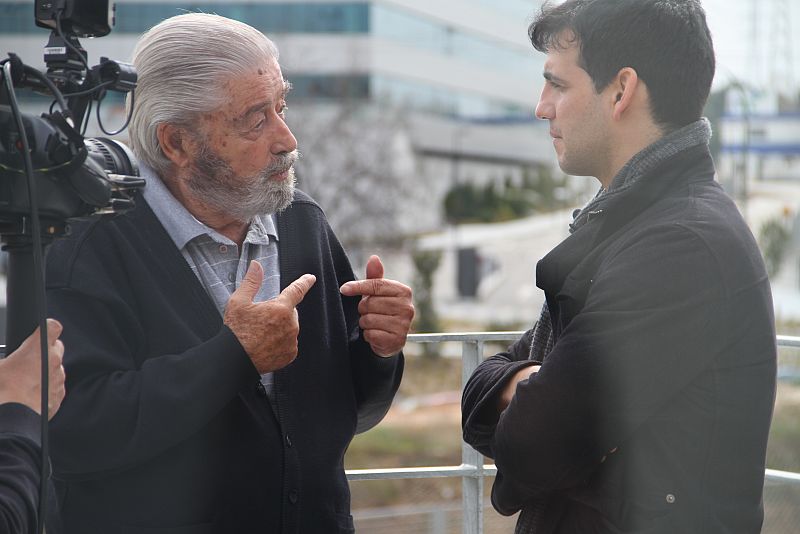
174	143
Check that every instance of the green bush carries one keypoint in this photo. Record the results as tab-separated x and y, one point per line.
468	202
773	239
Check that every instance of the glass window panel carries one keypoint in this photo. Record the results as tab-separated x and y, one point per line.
318	86
419	32
441	100
349	17
18	18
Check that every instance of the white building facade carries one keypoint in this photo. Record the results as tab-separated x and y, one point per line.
462	71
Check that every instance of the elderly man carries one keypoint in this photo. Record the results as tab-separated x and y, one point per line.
641	401
219	358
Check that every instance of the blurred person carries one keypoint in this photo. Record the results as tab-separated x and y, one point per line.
20	431
220	358
641	400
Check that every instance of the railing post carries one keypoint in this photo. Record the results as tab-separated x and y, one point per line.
471	486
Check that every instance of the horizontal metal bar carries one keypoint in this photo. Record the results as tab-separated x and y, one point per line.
782	341
788	341
448	471
773	475
465	336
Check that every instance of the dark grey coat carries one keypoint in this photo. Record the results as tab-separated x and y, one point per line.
664	354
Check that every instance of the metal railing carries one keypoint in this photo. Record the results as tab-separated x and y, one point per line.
472	469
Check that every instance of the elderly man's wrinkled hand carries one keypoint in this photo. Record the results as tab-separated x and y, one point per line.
386	309
267	330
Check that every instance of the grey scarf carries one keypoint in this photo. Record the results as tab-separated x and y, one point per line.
643	162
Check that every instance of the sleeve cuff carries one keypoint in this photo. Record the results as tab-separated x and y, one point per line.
19	419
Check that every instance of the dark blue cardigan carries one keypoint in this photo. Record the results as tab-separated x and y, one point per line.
164	428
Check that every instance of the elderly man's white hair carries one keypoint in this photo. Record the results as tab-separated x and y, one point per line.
182	63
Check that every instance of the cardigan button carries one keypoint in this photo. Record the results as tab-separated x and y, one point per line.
293	496
261	391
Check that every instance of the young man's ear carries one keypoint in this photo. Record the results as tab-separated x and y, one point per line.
174	144
625	86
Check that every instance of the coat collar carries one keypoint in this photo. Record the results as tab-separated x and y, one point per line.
609	213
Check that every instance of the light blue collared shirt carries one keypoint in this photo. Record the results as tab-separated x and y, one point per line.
214	258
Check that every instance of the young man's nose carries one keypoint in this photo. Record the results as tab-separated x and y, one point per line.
544	108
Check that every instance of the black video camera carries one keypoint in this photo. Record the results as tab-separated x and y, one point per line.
48	169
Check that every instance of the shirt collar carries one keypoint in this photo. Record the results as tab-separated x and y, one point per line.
182	226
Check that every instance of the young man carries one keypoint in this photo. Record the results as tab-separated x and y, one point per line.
216	371
641	400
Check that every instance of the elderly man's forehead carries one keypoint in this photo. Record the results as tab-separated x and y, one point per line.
268	76
273	76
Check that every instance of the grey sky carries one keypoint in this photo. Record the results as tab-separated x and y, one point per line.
777	51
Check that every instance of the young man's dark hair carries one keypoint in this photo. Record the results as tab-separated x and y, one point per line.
667	42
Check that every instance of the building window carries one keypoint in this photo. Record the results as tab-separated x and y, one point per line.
269	18
426	33
135	17
440	100
18	18
319	86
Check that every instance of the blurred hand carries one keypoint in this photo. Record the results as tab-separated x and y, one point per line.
267	330
386	309
20	372
508	392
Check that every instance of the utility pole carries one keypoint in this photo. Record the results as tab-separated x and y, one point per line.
781	56
754	59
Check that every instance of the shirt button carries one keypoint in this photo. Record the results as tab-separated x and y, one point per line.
293	496
223	249
670	498
231	277
288	441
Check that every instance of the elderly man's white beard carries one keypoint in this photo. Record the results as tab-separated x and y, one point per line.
214	183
